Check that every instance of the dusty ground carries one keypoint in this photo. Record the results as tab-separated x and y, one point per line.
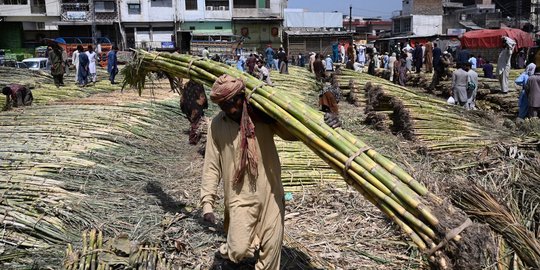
328	226
324	224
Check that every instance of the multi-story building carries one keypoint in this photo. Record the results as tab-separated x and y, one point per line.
418	17
24	23
475	15
78	16
463	15
156	23
148	24
258	22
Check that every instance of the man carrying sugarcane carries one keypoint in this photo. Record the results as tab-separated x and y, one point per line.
254	198
17	95
503	63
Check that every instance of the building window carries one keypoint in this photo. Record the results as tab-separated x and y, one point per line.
244	3
105	6
161	3
217	5
218	27
406	25
396	23
192	28
191	4
134	8
13	2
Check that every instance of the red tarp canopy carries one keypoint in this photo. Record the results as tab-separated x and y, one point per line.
491	38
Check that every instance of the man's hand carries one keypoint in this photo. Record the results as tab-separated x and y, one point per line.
209	217
332	120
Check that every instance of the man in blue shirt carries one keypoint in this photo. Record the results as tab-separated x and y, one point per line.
329	64
112	64
240	63
269	52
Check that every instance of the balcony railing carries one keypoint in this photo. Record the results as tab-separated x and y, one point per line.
255	13
108	17
82	12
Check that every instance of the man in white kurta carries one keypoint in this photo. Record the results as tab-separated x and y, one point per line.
75	62
503	64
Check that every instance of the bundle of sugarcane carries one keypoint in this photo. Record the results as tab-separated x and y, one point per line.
386	185
300	167
350	87
526	193
34	211
480	204
115	253
299	82
441	127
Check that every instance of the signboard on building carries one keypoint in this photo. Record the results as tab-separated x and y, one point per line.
167	44
455	31
76	15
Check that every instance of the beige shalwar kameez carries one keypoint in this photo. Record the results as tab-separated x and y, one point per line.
254	210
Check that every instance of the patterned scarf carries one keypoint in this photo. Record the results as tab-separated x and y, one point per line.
224	89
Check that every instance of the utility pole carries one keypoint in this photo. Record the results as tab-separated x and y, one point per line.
350	18
93	22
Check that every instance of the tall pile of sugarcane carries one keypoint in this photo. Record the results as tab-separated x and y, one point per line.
488	97
425	218
440	127
351	87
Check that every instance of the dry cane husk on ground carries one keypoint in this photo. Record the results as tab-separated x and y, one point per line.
425	218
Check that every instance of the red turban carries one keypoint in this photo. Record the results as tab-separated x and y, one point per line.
224	89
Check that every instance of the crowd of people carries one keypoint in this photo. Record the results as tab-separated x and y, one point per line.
401	61
84	61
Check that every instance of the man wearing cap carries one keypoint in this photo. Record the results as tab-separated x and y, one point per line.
253	194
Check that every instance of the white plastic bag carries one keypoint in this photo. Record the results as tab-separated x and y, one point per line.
451	101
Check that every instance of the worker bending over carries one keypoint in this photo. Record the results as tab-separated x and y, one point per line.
17	95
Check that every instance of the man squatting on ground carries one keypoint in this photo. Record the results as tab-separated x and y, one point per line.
240	151
17	95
